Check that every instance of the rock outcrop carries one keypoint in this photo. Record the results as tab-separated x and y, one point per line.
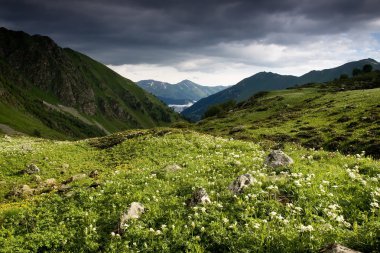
278	158
172	167
32	169
337	248
199	196
240	183
135	211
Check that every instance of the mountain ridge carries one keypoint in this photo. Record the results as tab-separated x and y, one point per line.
34	70
265	81
182	92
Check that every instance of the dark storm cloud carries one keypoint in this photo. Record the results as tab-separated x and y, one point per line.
153	31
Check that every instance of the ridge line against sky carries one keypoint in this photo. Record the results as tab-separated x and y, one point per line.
211	42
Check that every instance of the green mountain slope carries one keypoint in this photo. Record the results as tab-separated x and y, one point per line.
341	115
266	81
68	207
65	94
180	93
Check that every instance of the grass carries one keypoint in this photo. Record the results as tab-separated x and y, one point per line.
312	116
324	197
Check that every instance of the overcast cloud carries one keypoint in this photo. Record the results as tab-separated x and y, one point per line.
210	41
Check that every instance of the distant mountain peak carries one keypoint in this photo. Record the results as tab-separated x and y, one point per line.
182	92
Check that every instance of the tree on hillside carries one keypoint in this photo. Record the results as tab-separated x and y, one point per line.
356	72
367	68
219	109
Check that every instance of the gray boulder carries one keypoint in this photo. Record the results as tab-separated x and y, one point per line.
32	169
135	211
240	183
94	174
172	167
337	248
237	129
277	158
76	177
199	196
22	191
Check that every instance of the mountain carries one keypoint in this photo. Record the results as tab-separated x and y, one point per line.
339	115
60	93
266	81
180	93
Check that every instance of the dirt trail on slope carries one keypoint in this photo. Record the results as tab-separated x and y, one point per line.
8	130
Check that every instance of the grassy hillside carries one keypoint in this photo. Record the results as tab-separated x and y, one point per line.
267	81
323	197
341	115
67	95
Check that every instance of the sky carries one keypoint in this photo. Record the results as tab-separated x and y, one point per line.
211	42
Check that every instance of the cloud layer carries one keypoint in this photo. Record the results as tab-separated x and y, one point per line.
209	41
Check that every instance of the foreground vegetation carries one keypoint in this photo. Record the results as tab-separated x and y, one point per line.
322	198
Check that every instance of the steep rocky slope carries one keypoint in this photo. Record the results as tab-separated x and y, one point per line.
65	93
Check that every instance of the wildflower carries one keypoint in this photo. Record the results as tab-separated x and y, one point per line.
374	204
346	224
151	229
256	225
225	220
203	209
334	206
113	234
203	229
272	214
158	232
339	218
308	228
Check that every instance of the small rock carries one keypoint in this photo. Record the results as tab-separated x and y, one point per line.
277	158
37	178
200	196
337	248
64	188
32	169
94	184
240	183
75	178
135	210
237	129
173	167
23	191
94	174
65	166
50	182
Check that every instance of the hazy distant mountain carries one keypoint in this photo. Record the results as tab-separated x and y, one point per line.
57	92
180	93
265	81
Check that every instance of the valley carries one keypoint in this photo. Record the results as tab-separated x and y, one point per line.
93	162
